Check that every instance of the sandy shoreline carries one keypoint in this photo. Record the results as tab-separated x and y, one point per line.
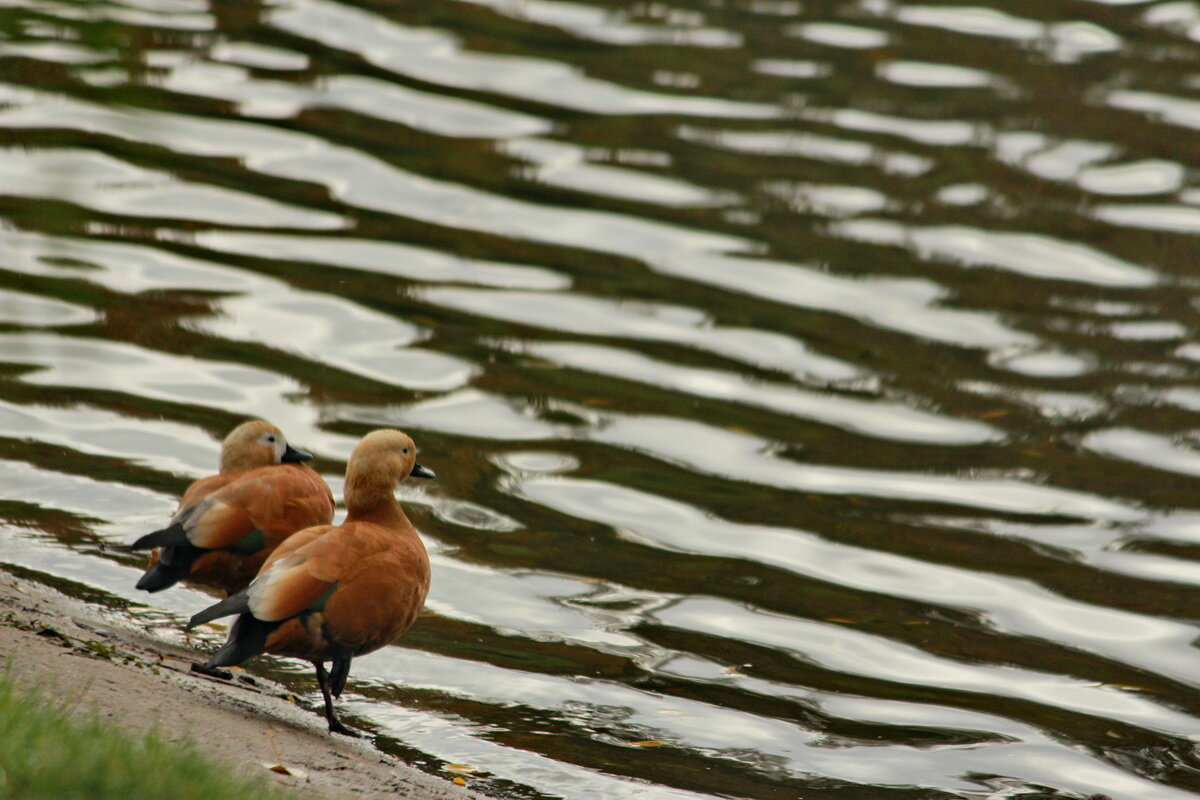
72	650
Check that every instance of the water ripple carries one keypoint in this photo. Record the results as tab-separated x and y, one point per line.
811	385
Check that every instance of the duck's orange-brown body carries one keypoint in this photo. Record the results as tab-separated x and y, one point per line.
228	524
259	508
330	593
381	574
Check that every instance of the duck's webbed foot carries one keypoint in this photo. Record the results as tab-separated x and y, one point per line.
212	672
335	724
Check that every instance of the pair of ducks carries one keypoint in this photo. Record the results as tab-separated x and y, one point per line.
260	531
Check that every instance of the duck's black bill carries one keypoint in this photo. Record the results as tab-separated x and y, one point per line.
422	472
291	455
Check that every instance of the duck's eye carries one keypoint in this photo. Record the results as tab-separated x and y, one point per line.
271	439
405	451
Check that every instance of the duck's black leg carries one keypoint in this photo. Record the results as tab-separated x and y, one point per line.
335	725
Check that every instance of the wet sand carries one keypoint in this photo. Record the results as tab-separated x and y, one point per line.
94	663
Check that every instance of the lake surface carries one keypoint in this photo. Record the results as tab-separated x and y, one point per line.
814	387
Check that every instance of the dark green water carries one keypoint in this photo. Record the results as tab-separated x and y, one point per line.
813	385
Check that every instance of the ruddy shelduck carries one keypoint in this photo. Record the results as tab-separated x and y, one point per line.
228	524
333	592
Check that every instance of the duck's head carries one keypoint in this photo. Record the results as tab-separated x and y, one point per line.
380	461
257	443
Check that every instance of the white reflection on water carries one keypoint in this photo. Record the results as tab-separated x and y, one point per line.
434	56
806	144
676	26
600	316
1142	447
104	183
566	166
934	76
1029	254
836	34
899	304
748	458
1008	604
885	419
437	114
385	258
158	444
974	20
21	308
943	133
362	180
96	364
1024	751
259	56
852	651
1151	217
1152	176
1065	41
337	333
468	412
112	505
458	743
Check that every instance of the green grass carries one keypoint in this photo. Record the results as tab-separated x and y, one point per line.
48	752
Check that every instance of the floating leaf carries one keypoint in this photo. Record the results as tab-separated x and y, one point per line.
461	781
466	769
649	743
284	769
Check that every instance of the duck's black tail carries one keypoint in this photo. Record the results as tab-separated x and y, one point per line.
247	637
167	537
173	565
238	603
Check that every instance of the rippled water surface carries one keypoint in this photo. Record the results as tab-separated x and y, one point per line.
813	385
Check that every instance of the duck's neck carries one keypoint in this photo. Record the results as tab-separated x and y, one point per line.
369	497
385	511
235	463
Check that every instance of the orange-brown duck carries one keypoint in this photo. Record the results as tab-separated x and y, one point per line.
330	593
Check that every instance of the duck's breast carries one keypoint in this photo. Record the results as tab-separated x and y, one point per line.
382	593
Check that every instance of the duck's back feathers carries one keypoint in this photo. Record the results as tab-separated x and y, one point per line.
228	524
296	578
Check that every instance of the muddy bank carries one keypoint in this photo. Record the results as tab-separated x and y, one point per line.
94	662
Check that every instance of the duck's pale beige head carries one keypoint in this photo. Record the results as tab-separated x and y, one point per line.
380	461
257	443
